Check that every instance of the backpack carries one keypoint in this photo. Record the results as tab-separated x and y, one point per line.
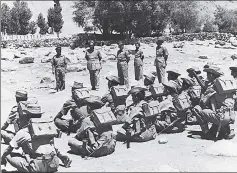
157	90
103	116
225	86
22	108
42	128
151	108
119	92
81	93
182	102
195	92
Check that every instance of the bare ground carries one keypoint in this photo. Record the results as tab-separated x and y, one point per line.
181	153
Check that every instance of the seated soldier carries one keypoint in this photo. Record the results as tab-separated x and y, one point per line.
37	156
192	78
136	128
170	121
215	108
92	141
173	75
20	95
78	112
149	80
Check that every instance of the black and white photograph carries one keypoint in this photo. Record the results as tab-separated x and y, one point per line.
118	86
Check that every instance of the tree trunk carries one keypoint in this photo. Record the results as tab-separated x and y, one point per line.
105	29
58	34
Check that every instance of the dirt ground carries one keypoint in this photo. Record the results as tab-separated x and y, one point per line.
181	153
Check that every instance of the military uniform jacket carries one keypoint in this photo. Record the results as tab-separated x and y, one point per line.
59	62
122	56
161	53
93	59
138	61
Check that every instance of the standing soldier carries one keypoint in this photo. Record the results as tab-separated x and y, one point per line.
93	58
122	65
161	58
59	66
138	62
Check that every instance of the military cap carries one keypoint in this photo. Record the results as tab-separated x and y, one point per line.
173	85
175	71
33	109
94	101
150	77
113	79
196	69
187	81
160	40
233	68
77	85
58	48
136	89
213	70
21	94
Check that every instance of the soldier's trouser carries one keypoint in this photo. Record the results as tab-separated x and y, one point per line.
6	136
77	147
123	73
60	78
18	162
63	124
160	74
138	72
94	78
176	128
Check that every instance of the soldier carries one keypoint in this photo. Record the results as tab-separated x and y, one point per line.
13	117
59	66
89	140
169	114
43	158
136	127
234	72
173	75
192	78
161	59
215	108
78	112
138	62
122	65
93	58
148	81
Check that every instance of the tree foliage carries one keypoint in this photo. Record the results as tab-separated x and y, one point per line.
5	18
42	24
32	27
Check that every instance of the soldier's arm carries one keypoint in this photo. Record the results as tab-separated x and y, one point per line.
86	56
166	54
99	55
142	55
64	110
5	154
5	125
127	57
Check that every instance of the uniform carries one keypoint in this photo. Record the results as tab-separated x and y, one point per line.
37	164
122	66
60	64
94	66
160	63
138	64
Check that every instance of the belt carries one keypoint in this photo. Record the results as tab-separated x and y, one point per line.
122	60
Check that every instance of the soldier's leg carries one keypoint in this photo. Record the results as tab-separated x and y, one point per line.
120	74
6	136
64	158
18	162
77	146
160	125
63	80
162	74
92	78
97	79
57	79
141	72
62	124
136	71
125	74
158	74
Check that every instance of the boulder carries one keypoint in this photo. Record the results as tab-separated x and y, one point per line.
9	69
75	68
113	46
178	45
47	79
26	60
47	54
45	60
234	56
203	57
24	53
17	56
220	42
234	43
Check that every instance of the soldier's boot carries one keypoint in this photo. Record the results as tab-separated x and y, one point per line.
65	159
206	132
231	132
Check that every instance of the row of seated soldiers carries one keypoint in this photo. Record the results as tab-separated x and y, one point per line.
177	103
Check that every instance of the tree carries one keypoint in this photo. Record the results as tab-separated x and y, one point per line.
32	27
50	17
210	26
5	18
42	24
20	17
58	19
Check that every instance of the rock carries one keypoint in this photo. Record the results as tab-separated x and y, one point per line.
234	56
113	46
162	141
178	45
47	80
26	60
24	53
234	43
223	148
75	68
17	56
222	43
45	60
203	57
8	69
